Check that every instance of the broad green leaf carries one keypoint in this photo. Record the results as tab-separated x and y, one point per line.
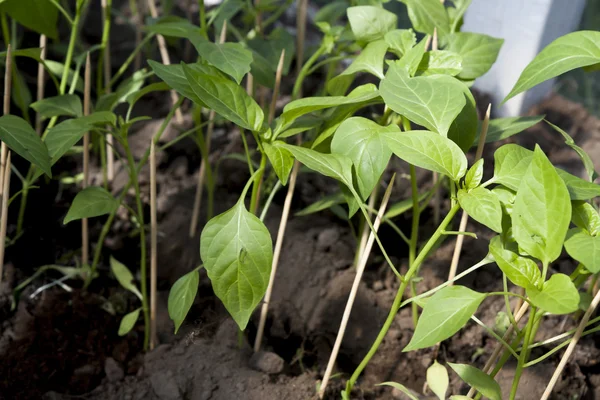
574	50
502	128
181	297
411	395
231	58
332	165
331	12
558	295
440	62
542	210
237	252
456	14
506	197
585	216
40	16
128	322
20	137
511	162
270	49
281	160
585	158
300	124
483	206
437	380
322	204
474	175
174	76
363	142
478	52
100	118
371	23
124	276
584	248
58	106
463	129
21	95
482	382
430	151
62	137
262	70
579	189
226	98
425	15
153	87
431	101
400	41
173	26
444	314
412	58
521	271
224	12
91	202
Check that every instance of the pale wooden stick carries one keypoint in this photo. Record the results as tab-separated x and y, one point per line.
365	231
434	42
300	35
85	239
6	109
40	83
4	216
276	87
571	347
110	157
464	218
202	171
153	247
164	54
360	268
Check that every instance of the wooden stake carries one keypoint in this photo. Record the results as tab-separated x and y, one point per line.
202	171
164	54
6	109
106	64
153	246
360	268
85	239
300	35
40	83
276	87
434	42
4	214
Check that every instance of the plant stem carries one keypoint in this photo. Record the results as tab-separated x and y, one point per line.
398	299
256	186
414	237
153	246
202	17
40	83
297	91
4	213
529	333
6	111
85	239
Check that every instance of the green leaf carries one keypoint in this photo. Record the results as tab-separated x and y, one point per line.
478	52
425	15
437	380
331	12
502	128
444	314
430	151
332	165
558	295
91	202
440	62
400	40
483	206
270	49
456	17
511	162
231	58
124	276
281	160
174	76
542	210
23	140
579	189
153	87
585	158
40	16
574	50
237	252
479	380
584	248
585	216
403	206
363	142
521	271
226	98
401	388
371	23
431	101
172	26
58	106
322	204
474	175
464	127
412	58
62	137
181	297
128	322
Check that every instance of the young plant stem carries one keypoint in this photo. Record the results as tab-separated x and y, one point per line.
565	358
205	167
106	67
529	335
4	213
360	268
398	299
40	83
202	17
297	91
153	247
164	54
465	217
414	236
6	111
258	18
85	239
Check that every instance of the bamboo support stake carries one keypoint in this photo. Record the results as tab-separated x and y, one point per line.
465	217
164	54
85	239
6	108
106	64
300	36
4	214
360	268
202	171
153	246
276	87
40	83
